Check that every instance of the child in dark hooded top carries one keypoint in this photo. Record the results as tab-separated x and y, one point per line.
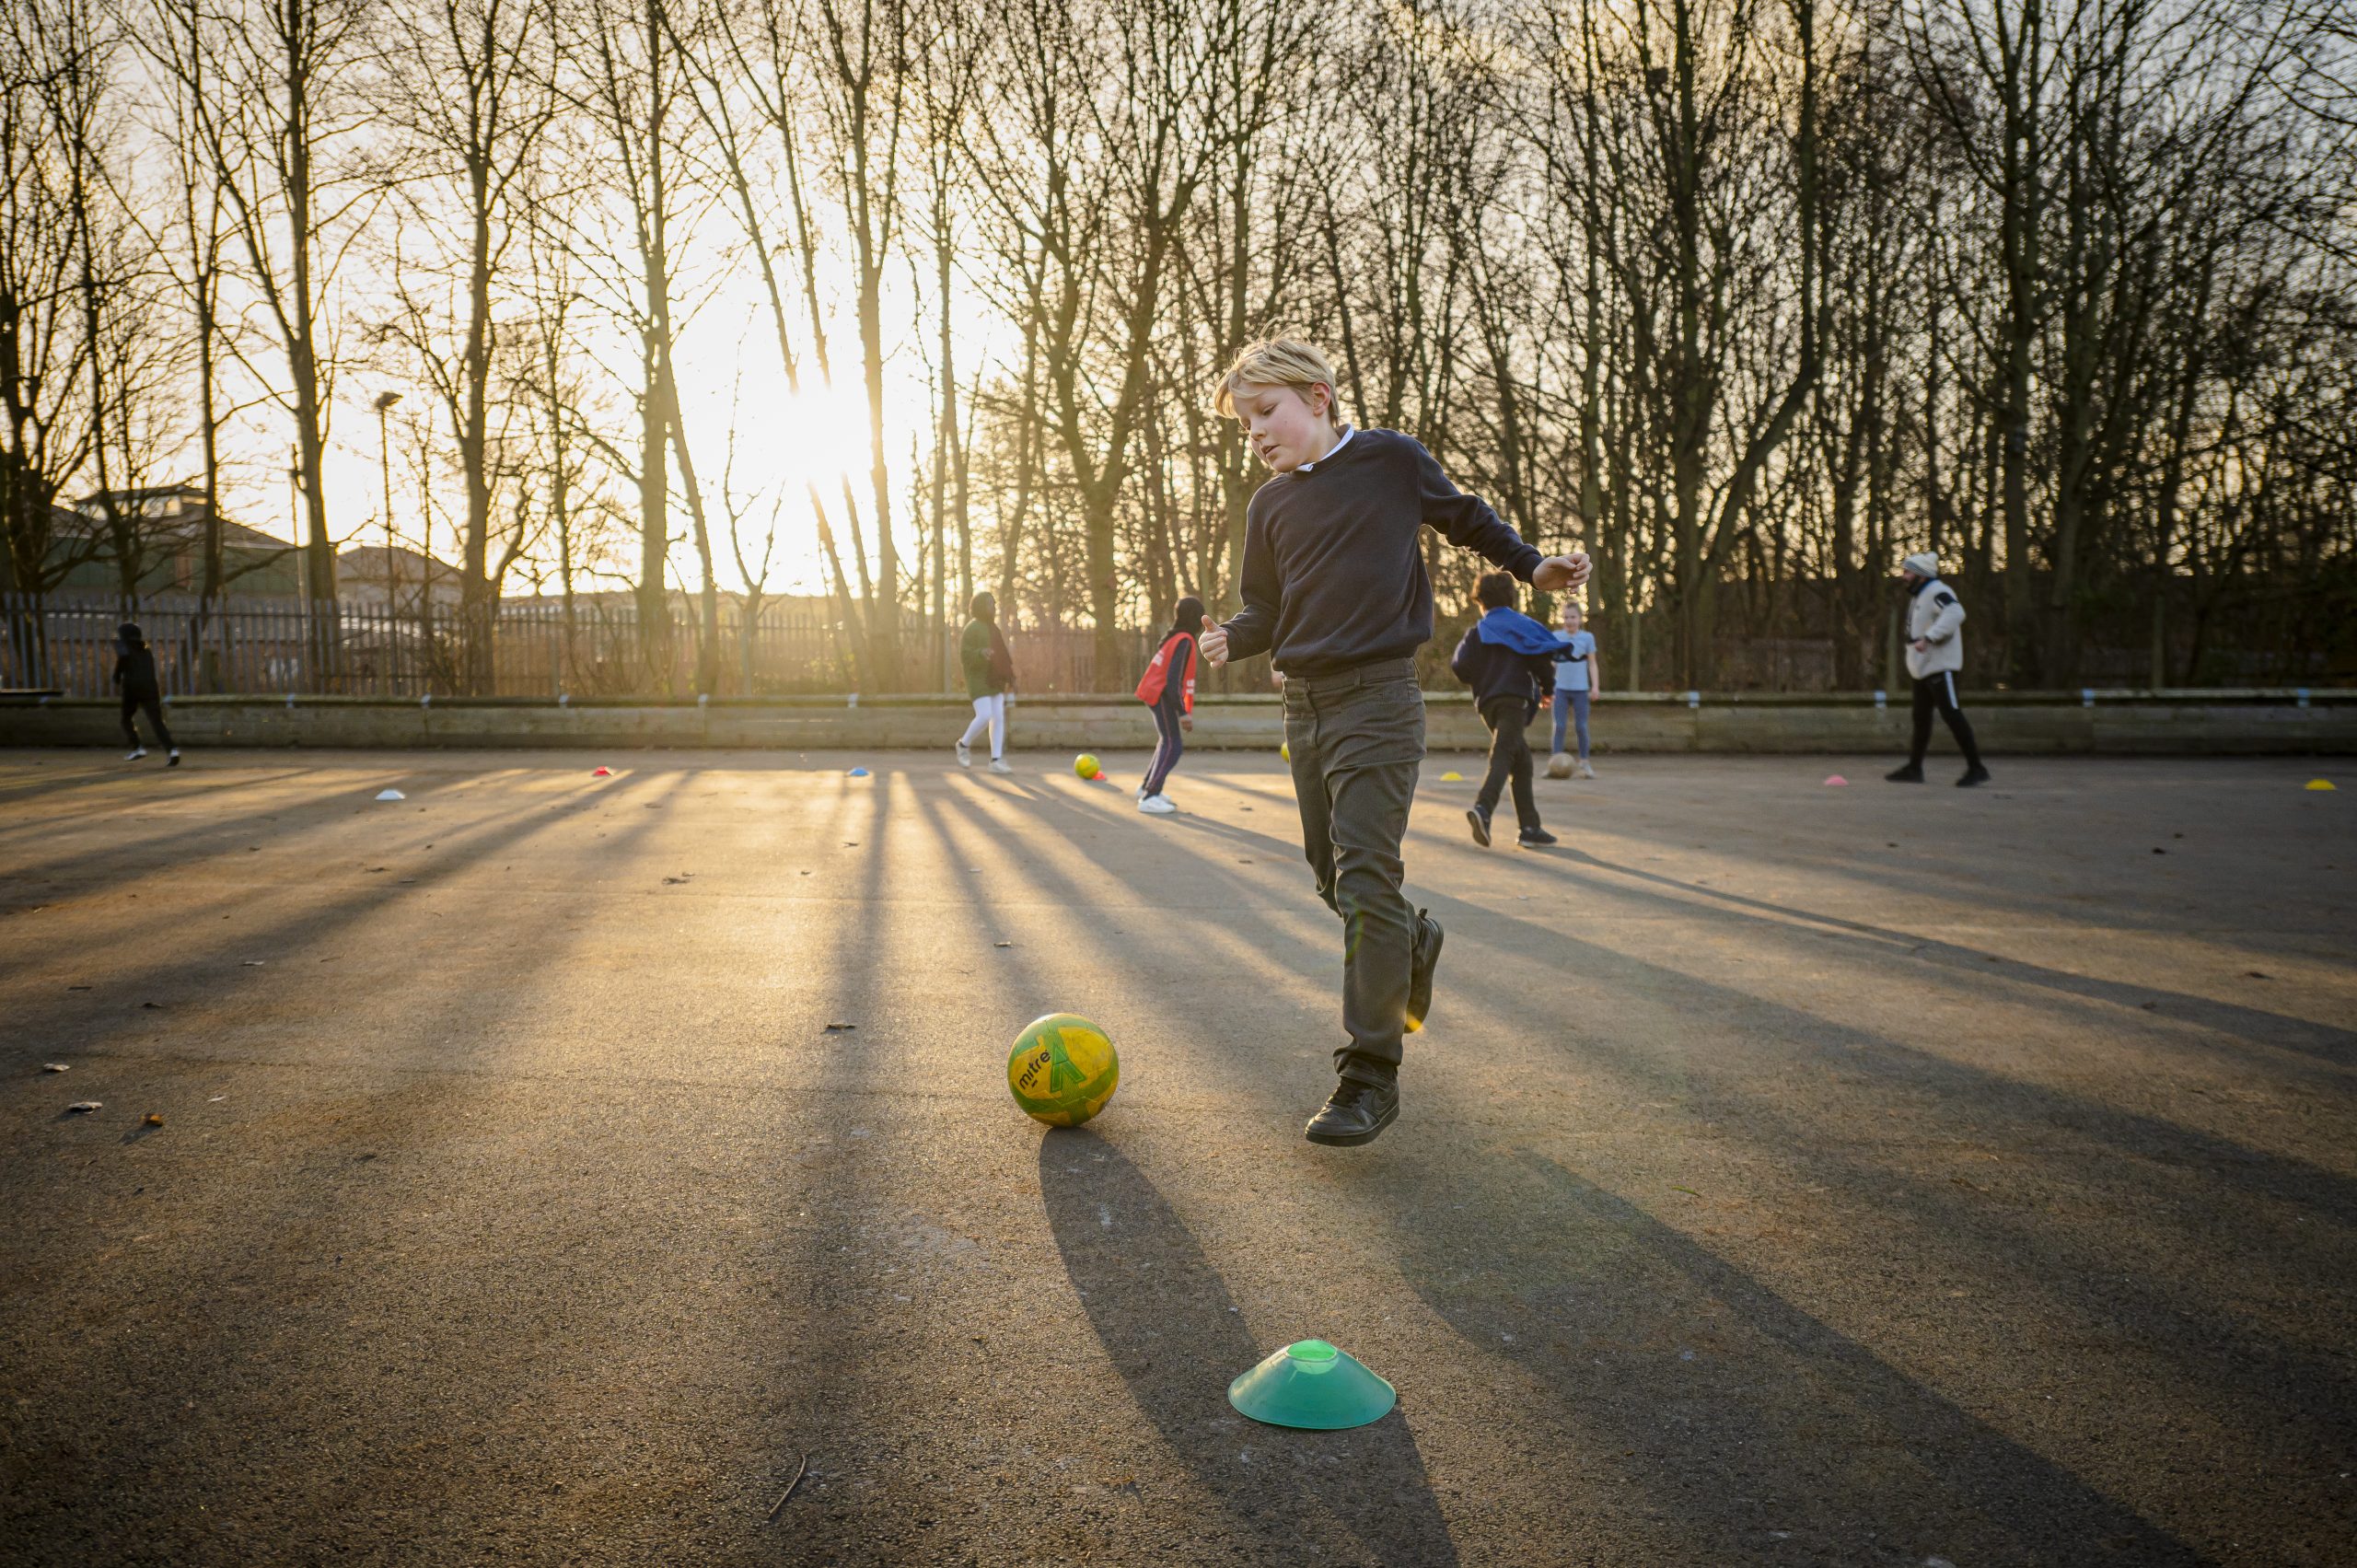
135	671
1509	660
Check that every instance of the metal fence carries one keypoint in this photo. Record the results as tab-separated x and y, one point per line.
531	649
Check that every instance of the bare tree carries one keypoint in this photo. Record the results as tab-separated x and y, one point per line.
288	116
472	90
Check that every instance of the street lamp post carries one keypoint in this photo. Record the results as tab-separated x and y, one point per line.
392	545
385	400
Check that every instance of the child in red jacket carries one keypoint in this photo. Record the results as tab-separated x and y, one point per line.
1169	689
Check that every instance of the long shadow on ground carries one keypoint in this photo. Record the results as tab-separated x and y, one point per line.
1896	1428
1732	1400
1168	1325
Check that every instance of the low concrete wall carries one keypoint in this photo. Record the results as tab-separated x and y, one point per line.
2008	723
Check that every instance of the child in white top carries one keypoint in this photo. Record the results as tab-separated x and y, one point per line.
1576	676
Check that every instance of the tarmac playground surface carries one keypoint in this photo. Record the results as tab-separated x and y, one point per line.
1788	1175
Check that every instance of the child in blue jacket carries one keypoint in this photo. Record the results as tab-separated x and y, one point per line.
1509	660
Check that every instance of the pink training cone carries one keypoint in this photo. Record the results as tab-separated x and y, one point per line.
1835	780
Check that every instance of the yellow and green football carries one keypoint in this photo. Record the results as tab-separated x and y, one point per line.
1086	765
1063	1070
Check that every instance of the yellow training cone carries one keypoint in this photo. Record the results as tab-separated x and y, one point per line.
1452	778
2320	783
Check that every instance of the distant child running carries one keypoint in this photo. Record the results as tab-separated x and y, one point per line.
135	671
1169	688
1509	660
1576	675
1334	588
990	676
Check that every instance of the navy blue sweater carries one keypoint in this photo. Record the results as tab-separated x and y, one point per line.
1495	670
1333	559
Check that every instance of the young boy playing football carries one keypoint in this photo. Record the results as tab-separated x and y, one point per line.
1334	588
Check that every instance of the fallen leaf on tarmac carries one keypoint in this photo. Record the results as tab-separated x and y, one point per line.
86	1106
217	1100
670	881
56	1067
1688	1191
374	869
254	963
2256	974
832	1028
154	1119
158	1007
82	987
1002	944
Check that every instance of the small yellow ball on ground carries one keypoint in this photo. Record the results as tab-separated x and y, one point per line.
1086	765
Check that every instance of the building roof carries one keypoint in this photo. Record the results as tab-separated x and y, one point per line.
375	563
168	513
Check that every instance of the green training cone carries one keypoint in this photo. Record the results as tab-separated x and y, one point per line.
1311	1384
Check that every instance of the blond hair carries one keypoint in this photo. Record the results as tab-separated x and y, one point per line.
1276	362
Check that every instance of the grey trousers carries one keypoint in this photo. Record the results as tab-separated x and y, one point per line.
1356	739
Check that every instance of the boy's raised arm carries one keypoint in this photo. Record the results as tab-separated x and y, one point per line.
1468	521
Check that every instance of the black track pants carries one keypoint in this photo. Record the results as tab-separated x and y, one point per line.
154	712
1936	694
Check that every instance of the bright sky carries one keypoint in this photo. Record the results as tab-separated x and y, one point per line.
726	354
784	441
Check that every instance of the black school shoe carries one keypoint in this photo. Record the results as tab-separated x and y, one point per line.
1354	1115
1480	820
1911	772
1536	836
1423	959
1975	774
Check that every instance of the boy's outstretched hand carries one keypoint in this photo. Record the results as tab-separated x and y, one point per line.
1213	642
1561	572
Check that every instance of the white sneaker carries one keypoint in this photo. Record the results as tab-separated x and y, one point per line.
965	755
135	753
1586	770
998	765
1157	805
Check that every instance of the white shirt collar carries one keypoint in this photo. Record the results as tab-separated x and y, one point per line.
1341	442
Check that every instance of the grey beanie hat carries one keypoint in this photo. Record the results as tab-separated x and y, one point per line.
1924	563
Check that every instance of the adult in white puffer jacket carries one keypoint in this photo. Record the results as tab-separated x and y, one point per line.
1934	654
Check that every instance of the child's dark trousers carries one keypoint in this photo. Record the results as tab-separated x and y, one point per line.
144	704
1509	759
1357	739
1168	748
